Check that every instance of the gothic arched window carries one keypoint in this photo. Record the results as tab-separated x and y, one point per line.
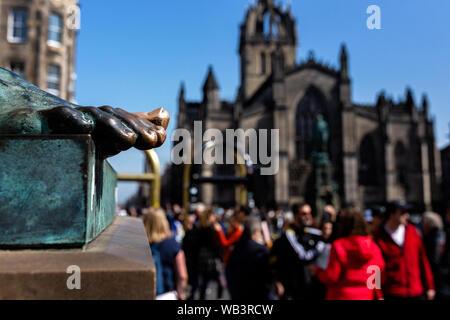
400	160
368	169
312	103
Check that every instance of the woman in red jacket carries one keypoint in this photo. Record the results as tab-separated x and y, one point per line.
355	263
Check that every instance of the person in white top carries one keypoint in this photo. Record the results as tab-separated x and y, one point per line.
398	234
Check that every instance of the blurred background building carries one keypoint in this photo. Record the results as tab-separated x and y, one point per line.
378	152
37	41
445	158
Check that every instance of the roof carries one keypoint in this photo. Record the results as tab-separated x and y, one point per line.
313	64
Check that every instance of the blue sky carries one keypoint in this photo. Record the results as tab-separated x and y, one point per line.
135	54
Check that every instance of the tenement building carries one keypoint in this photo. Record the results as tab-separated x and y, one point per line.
37	41
377	152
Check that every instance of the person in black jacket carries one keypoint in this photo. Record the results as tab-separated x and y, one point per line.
248	273
292	255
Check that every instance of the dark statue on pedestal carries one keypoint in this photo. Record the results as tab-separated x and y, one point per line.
325	187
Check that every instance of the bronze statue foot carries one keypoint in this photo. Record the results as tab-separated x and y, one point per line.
113	129
25	109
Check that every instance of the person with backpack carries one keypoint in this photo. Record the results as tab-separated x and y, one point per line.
170	262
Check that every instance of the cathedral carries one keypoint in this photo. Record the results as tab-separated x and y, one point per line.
377	152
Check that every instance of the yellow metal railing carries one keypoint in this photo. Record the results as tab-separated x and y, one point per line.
154	178
241	172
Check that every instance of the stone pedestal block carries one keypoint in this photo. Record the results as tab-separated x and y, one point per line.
116	265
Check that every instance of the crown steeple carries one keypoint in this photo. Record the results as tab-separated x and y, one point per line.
267	28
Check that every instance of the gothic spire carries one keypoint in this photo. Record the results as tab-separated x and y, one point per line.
210	82
409	97
425	104
267	3
381	100
311	57
181	91
344	62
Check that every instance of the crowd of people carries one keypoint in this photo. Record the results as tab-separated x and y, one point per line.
276	255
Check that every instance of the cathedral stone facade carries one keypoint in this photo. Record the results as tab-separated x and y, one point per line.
378	152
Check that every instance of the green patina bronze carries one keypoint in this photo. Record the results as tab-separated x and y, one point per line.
53	191
20	102
326	190
56	187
